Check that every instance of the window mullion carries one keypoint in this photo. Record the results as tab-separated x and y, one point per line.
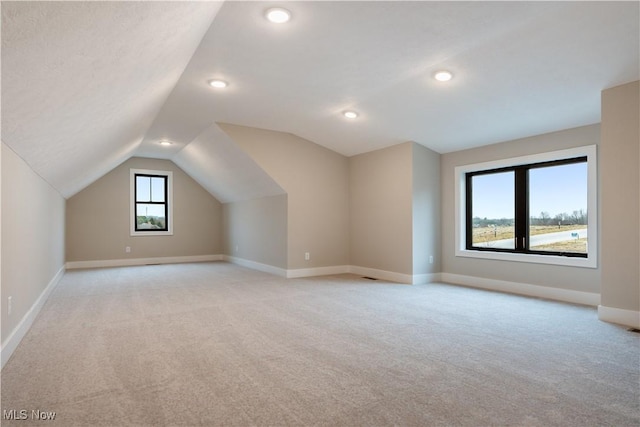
469	210
522	209
166	200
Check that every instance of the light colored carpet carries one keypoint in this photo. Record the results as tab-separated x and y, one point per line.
216	344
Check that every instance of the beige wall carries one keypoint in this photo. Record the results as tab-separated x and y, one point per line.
317	184
620	201
32	237
256	230
426	210
572	278
98	224
381	209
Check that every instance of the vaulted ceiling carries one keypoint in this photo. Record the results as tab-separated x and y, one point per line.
86	85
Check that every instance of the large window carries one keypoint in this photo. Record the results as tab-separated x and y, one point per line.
151	202
537	208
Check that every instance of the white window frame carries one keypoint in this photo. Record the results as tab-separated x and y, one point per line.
591	261
132	198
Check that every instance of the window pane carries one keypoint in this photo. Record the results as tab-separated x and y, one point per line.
150	217
558	208
493	210
157	189
143	186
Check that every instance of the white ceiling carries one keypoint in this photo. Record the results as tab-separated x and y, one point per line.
84	82
223	169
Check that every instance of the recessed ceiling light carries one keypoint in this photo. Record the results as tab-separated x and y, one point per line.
278	15
165	142
218	83
350	114
443	76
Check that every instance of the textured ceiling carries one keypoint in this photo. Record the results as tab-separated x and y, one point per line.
521	69
85	85
83	81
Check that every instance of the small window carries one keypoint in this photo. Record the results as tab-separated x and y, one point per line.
539	208
151	203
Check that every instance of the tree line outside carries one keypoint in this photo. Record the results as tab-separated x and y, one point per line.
579	217
152	221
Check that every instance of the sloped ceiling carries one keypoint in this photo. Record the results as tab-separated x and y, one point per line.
85	85
83	81
520	69
223	169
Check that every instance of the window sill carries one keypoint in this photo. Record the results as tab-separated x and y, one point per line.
589	262
151	233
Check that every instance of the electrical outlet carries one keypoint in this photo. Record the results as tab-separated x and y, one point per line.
236	248
127	249
9	306
431	259
307	257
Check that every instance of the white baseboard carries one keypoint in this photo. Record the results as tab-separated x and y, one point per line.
294	273
415	279
565	295
256	265
382	274
335	269
71	265
423	279
619	316
317	271
11	343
